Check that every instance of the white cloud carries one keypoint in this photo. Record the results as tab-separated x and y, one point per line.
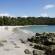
24	16
44	15
49	6
6	14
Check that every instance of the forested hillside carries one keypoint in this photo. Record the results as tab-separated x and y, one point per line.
26	21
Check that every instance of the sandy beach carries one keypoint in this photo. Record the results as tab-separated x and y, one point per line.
10	40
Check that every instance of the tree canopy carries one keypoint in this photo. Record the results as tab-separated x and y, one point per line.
12	21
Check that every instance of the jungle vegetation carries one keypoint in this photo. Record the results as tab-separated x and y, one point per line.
26	21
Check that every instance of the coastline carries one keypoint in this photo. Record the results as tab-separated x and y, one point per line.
14	46
20	28
19	31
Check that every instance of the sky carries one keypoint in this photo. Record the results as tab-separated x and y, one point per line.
27	8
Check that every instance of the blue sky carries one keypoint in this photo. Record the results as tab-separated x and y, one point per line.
27	7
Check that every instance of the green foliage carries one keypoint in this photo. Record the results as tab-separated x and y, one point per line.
26	21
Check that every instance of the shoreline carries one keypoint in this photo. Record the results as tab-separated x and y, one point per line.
17	32
13	44
20	28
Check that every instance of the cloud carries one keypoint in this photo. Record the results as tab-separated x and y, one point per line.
24	16
44	15
6	14
49	6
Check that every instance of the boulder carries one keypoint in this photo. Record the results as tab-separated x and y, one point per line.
27	51
34	52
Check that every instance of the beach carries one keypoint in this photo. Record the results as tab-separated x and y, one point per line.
11	45
14	40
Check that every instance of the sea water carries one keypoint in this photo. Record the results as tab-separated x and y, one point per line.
40	28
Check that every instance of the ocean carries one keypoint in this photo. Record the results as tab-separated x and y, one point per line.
40	28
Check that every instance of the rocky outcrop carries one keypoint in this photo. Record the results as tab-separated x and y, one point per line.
27	51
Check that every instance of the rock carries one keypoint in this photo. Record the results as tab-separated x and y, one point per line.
4	41
1	44
50	52
17	47
27	51
37	34
31	44
7	49
34	52
22	41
